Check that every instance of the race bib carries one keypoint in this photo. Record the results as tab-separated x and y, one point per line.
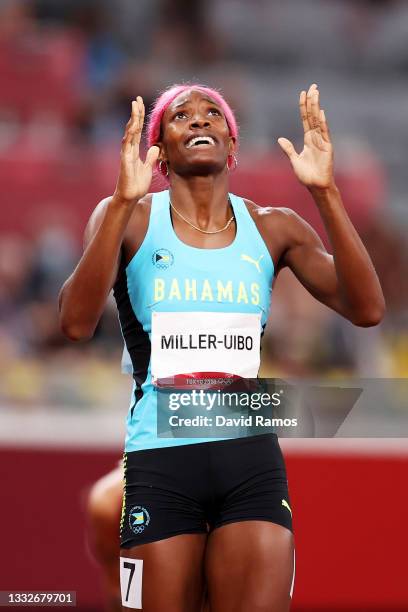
186	342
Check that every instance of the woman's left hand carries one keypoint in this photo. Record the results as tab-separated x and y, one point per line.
314	165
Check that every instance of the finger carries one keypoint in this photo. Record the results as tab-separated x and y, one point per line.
139	120
287	147
303	112
142	118
315	109
324	128
309	111
137	124
152	156
129	130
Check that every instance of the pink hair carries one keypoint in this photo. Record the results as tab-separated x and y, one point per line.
166	98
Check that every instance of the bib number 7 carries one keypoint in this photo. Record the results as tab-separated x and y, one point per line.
131	571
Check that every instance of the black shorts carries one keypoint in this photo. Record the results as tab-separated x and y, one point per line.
198	487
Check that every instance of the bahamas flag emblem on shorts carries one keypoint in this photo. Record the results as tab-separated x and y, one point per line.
139	518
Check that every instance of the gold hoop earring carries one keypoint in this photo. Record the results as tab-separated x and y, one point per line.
232	162
164	172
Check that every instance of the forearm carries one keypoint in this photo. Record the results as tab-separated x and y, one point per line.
358	284
84	294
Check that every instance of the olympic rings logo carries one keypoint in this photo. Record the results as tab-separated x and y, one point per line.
139	519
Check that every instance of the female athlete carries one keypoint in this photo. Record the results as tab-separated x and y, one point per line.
190	264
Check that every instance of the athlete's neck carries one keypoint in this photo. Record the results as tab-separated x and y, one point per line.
203	200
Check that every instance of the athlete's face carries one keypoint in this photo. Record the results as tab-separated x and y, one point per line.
195	135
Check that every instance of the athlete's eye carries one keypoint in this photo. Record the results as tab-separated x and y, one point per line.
215	111
180	115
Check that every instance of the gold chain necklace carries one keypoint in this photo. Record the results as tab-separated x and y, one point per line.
199	228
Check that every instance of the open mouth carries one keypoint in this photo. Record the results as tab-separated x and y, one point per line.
200	141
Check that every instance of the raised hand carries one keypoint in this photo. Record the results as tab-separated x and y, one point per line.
314	165
135	175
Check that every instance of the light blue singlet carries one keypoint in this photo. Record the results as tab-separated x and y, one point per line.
182	308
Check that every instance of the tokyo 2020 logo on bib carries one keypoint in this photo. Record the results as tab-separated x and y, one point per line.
162	259
139	519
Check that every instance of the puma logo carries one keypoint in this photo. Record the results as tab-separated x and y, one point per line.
285	503
252	261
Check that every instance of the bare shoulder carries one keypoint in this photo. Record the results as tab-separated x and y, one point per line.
273	217
137	225
141	209
281	228
100	209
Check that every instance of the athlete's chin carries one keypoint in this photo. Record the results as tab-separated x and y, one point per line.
202	167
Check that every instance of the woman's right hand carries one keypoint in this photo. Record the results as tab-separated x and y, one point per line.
135	175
